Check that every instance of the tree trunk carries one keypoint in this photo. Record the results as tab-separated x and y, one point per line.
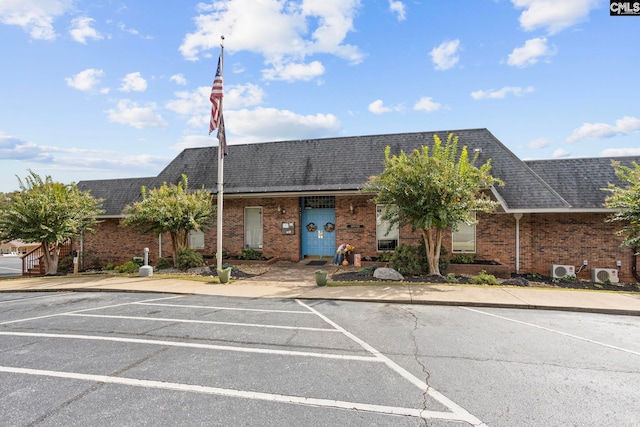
51	257
433	242
175	246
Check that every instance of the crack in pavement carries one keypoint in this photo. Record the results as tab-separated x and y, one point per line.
425	372
93	388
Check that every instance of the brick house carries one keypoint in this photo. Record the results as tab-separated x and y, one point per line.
294	199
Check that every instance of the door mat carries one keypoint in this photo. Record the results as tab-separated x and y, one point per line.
316	262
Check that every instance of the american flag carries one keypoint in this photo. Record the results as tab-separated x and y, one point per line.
216	98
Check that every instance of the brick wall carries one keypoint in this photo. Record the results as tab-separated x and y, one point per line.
116	244
545	239
548	239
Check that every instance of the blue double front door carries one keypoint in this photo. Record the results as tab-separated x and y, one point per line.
318	232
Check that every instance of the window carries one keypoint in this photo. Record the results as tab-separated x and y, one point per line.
464	240
385	241
253	228
196	239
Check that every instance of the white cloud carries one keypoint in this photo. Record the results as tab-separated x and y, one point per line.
239	96
502	93
85	80
81	30
129	113
623	126
398	8
75	158
133	82
377	107
14	148
34	16
553	15
445	56
292	72
196	104
178	79
270	124
529	54
618	152
538	143
279	31
560	152
427	104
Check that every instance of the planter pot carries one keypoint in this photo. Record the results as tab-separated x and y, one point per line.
224	274
321	278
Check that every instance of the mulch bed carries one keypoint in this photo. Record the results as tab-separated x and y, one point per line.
514	281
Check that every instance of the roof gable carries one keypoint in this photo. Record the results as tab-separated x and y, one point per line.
580	181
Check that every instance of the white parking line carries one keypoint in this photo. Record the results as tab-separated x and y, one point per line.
209	307
207	322
46	316
460	413
194	345
553	330
270	397
34	298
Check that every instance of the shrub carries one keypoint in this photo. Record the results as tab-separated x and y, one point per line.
163	264
451	278
128	267
406	261
234	269
187	258
463	258
250	254
483	278
384	256
109	267
368	271
65	264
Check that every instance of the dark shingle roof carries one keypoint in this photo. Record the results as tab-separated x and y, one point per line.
580	181
116	193
346	163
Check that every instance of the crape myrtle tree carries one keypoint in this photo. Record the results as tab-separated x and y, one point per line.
47	212
626	200
173	209
434	190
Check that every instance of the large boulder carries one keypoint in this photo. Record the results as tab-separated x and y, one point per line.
387	274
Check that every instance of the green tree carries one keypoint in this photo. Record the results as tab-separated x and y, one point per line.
173	209
627	202
47	212
433	190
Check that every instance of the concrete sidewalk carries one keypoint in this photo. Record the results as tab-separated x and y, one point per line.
299	282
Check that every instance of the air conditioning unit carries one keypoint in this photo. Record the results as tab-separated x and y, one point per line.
560	271
604	275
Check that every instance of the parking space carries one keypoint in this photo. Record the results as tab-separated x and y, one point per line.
80	358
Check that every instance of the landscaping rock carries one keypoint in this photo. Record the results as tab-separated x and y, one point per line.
516	281
387	274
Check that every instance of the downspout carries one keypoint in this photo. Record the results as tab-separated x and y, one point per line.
517	216
159	245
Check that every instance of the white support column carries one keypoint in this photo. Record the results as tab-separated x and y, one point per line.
517	216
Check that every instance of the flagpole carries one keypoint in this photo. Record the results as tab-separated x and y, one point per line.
220	175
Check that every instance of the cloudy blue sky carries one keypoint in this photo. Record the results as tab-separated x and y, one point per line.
117	88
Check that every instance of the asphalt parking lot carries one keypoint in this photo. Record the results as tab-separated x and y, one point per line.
144	359
10	266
